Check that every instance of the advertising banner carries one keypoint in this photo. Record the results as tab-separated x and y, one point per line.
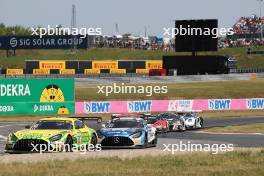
36	96
153	65
41	71
118	71
46	42
91	71
67	71
14	71
105	64
142	106
51	64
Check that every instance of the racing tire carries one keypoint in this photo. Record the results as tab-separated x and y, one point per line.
69	143
145	142
182	128
155	141
94	140
202	122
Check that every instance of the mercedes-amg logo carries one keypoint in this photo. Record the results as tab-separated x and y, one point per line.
116	140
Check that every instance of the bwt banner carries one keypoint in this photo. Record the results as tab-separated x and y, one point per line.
168	105
46	42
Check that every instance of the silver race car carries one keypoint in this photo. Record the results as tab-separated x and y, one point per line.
192	120
127	132
176	122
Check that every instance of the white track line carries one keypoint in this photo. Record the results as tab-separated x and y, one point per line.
3	137
3	126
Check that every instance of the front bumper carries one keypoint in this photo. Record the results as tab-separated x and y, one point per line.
33	146
121	142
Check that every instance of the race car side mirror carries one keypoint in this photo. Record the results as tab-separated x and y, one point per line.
27	127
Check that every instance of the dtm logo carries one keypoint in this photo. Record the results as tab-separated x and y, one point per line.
139	106
257	103
222	104
96	107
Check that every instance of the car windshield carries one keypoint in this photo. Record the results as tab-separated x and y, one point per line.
125	124
169	116
186	116
52	125
152	120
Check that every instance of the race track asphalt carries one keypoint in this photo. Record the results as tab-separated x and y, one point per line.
193	136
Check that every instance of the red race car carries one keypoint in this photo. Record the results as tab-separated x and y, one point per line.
161	124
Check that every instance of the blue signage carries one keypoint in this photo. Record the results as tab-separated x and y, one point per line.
96	107
45	42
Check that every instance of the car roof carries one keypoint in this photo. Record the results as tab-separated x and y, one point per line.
129	118
58	119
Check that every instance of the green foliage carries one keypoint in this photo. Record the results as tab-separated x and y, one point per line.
14	30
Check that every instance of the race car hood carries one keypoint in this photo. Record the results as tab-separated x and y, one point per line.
119	131
38	134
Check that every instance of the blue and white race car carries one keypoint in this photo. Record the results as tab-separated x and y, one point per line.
127	132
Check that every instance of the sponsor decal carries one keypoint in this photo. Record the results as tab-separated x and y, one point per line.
67	71
52	64
14	71
41	71
255	103
153	65
14	90
139	106
91	71
118	71
142	71
105	64
219	104
180	105
6	108
96	107
43	108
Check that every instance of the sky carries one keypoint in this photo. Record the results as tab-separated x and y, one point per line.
132	16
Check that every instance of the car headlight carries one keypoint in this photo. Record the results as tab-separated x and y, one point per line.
12	137
55	138
136	135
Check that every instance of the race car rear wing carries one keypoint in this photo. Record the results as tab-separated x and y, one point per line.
115	116
85	118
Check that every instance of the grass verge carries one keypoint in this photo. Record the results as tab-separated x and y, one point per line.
233	164
206	90
244	60
252	128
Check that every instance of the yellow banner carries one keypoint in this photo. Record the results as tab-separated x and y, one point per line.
105	64
91	71
153	65
67	71
14	71
41	71
142	71
118	71
51	64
